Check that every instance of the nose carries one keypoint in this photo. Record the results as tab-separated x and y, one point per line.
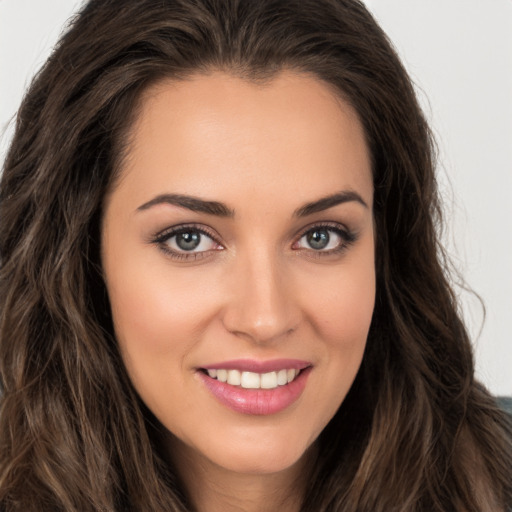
261	305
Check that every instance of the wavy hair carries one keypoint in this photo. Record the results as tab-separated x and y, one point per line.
415	433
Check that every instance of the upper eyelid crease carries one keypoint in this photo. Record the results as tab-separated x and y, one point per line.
175	230
330	225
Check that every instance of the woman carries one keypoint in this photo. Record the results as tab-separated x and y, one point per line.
221	283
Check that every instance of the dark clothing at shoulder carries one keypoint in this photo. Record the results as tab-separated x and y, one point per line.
505	403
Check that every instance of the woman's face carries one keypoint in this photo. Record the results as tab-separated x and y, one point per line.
238	253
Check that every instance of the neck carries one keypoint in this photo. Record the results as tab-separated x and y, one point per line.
212	488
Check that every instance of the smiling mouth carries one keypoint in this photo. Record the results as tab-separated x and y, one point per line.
253	380
256	387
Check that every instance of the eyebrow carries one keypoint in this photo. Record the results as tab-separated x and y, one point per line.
328	202
190	203
221	210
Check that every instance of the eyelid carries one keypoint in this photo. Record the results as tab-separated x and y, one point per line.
173	230
348	236
162	236
336	226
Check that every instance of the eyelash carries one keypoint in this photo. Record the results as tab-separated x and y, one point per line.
347	238
162	239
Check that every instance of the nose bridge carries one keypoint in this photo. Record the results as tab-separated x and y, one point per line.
261	306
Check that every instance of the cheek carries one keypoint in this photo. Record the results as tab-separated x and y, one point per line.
343	324
341	310
346	317
157	313
342	300
158	317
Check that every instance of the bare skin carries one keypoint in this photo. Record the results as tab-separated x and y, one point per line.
218	490
241	229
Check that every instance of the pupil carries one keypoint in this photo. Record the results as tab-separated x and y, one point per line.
318	239
188	240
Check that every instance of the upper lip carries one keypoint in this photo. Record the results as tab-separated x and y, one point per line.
258	366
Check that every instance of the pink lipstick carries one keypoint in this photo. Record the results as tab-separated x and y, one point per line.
256	387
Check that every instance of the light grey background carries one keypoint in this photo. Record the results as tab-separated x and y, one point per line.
459	53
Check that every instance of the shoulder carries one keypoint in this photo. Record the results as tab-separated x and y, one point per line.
505	403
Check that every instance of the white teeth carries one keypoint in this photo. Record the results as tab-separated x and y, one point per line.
269	380
252	380
282	378
234	377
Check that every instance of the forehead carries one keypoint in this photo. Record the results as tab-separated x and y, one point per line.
292	133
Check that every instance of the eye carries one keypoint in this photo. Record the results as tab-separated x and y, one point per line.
187	242
328	239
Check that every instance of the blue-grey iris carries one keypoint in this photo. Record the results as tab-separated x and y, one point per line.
188	240
318	239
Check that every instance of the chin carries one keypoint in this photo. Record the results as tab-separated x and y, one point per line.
260	453
262	461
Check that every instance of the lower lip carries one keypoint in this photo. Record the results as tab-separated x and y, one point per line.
257	401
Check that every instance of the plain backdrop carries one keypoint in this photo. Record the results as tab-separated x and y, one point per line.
459	54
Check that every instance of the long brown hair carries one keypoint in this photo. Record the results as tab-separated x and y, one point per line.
415	433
